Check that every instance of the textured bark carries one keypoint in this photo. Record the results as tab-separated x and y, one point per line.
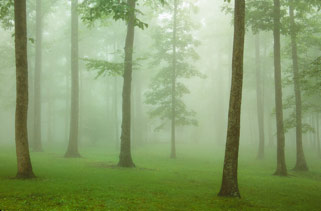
281	167
301	164
125	158
37	139
259	98
72	150
173	115
21	133
229	186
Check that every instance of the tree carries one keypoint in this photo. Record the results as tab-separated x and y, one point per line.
229	186
98	10
72	150
37	142
21	133
259	98
174	51
281	166
301	164
125	158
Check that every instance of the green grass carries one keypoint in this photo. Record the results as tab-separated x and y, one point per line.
191	182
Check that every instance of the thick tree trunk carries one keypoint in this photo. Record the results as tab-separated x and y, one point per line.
37	139
281	167
301	164
21	133
229	186
173	115
259	98
72	150
125	158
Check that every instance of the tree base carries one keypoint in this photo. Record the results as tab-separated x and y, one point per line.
28	175
229	193
126	164
173	156
301	167
281	173
72	155
260	157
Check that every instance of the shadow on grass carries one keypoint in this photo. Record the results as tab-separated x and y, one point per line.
114	166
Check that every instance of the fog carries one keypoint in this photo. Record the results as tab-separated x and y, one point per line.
81	68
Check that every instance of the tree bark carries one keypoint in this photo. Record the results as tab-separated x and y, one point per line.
21	132
125	158
72	150
37	139
301	164
259	98
281	167
173	115
229	186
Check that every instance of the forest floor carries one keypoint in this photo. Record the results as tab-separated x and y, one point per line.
190	182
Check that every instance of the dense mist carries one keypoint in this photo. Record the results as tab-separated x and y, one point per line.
160	104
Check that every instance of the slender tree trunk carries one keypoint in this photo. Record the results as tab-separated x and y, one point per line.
281	167
259	98
115	104
21	132
301	164
37	142
318	135
229	186
173	115
125	158
72	150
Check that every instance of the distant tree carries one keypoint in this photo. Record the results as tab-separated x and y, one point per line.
301	164
259	97
229	186
174	52
72	150
37	140
21	133
303	48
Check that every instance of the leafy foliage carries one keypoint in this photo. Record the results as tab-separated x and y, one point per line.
160	94
104	68
93	10
6	14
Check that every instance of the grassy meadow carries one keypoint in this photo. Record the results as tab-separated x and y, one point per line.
191	182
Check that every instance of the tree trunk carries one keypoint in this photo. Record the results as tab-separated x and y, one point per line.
37	141
173	115
281	167
125	158
115	108
318	135
229	186
21	133
301	164
72	150
259	98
